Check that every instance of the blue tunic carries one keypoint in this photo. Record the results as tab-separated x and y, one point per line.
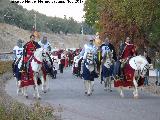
106	72
87	75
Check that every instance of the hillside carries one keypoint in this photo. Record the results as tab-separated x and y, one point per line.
9	35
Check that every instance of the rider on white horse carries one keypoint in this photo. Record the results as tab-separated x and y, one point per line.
48	63
106	48
28	51
44	43
17	51
89	48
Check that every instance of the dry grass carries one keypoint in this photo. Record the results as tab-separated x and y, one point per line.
5	66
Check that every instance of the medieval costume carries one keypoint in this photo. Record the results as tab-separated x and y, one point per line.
128	51
88	53
107	49
28	52
17	51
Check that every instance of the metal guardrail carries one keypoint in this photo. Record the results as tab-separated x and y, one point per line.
6	56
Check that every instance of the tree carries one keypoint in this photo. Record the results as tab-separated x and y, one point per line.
121	18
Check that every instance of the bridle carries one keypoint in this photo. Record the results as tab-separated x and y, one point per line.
140	71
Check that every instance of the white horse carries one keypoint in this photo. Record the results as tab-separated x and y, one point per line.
89	73
107	70
36	66
140	65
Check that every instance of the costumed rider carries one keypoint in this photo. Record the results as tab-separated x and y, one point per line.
107	48
88	50
47	46
28	51
44	43
127	50
17	51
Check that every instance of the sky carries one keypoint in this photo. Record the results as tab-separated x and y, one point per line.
74	10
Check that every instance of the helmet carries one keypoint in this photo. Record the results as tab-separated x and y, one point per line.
90	38
19	43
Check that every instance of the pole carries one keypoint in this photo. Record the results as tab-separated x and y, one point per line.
35	17
82	33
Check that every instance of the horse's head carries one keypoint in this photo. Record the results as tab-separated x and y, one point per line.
40	54
90	57
144	69
90	60
140	64
107	61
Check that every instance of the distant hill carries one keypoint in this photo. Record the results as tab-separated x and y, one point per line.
9	35
16	15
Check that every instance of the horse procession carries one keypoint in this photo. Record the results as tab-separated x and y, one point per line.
36	63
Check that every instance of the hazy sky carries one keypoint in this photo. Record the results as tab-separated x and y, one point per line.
74	10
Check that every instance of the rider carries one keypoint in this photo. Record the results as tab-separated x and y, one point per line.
88	82
17	51
87	47
128	51
107	47
44	43
28	52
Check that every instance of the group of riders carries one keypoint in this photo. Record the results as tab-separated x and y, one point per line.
106	63
89	63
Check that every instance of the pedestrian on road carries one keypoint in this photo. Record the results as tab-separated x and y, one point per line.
157	67
146	78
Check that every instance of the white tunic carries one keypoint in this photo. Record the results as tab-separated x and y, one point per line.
88	48
44	46
18	51
105	49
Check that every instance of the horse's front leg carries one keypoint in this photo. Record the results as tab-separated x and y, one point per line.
121	92
18	85
24	90
47	82
135	92
43	84
105	83
109	83
36	86
92	86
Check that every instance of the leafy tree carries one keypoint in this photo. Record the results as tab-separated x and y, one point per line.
121	18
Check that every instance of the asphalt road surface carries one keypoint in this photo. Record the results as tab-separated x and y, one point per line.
67	92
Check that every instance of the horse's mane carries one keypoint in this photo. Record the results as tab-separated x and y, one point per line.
38	54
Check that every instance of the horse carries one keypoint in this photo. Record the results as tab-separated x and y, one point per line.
49	64
107	70
89	72
76	69
36	74
139	66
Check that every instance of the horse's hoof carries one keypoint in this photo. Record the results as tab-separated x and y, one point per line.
122	95
27	97
45	91
85	92
136	97
89	94
105	89
48	89
110	90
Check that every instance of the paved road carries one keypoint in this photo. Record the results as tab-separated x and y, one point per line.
68	92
